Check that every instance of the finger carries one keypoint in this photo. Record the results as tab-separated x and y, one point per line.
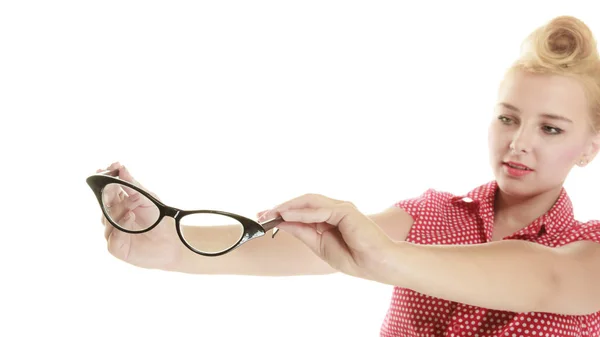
329	246
305	201
323	227
119	209
120	195
123	173
356	228
113	166
132	202
261	215
108	228
309	215
116	243
305	232
103	220
110	167
127	176
127	221
133	224
110	194
337	214
116	194
116	210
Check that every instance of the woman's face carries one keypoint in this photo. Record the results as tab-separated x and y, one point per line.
541	122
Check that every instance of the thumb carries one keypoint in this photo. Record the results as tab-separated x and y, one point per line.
329	245
305	232
260	214
316	236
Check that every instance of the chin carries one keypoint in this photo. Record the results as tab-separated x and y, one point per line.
513	188
524	187
516	187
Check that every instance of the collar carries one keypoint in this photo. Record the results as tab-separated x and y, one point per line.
554	220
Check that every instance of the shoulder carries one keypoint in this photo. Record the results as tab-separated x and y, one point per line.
590	224
431	197
398	219
430	200
438	202
589	230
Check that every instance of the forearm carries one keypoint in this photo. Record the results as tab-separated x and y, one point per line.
508	275
264	256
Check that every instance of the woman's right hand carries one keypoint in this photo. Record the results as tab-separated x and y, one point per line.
159	248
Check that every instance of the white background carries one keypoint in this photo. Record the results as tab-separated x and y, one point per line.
236	106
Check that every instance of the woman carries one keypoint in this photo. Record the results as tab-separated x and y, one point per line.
506	259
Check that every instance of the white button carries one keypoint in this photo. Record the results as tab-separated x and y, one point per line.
467	199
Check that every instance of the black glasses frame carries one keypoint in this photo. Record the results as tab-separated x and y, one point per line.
252	229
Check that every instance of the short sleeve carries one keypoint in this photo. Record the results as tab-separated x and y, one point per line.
589	231
415	206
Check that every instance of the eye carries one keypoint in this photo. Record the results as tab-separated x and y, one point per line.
505	119
551	130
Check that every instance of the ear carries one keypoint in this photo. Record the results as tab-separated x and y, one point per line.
592	150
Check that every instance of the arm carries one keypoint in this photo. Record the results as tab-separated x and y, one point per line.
508	275
283	255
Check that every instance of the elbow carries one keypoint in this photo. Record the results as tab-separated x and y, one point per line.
549	291
559	294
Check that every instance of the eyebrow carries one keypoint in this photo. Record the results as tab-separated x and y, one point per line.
547	115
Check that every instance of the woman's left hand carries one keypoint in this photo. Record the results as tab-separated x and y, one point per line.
338	233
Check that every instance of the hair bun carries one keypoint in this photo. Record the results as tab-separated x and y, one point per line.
564	42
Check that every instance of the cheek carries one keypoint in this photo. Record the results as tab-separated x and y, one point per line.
564	156
497	140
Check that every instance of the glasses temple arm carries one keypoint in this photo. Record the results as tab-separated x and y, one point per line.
268	225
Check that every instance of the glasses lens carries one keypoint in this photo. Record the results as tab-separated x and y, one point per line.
211	233
118	200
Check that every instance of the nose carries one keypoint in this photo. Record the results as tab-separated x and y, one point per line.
522	141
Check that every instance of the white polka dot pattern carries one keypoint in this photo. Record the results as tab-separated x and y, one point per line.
443	218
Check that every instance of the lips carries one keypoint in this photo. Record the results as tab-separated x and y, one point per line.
517	166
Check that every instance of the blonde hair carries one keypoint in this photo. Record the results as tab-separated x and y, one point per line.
565	46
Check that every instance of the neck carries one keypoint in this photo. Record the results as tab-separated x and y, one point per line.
516	212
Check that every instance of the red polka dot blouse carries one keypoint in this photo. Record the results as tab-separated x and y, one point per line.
444	218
